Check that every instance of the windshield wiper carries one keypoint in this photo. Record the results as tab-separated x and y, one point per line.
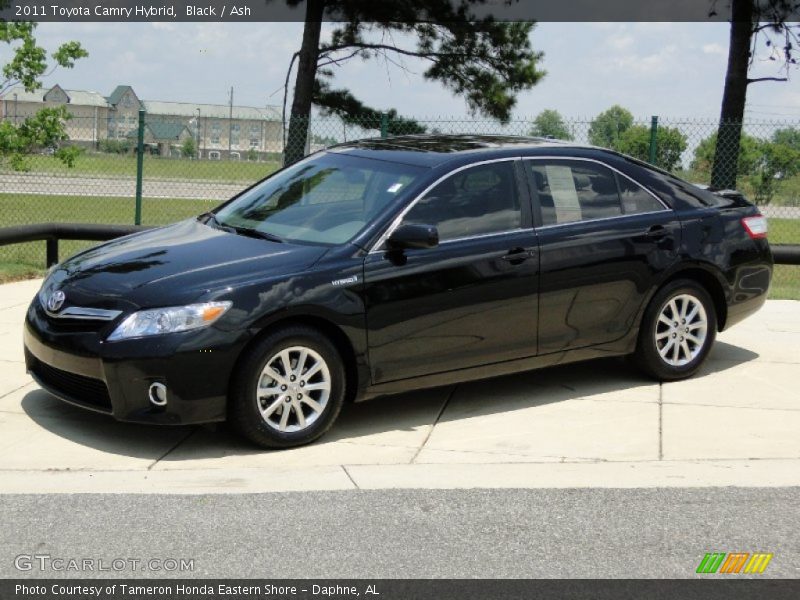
210	218
254	233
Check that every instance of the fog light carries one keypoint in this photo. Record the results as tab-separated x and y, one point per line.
158	394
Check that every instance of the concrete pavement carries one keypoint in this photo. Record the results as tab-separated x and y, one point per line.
597	424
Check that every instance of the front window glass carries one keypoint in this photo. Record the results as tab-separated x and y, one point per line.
327	199
476	201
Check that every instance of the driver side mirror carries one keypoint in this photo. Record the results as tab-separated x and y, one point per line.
412	235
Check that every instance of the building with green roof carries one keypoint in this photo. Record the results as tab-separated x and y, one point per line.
219	130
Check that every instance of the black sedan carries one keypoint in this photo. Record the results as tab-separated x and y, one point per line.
383	266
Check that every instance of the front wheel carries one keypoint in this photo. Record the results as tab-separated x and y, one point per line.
288	390
677	331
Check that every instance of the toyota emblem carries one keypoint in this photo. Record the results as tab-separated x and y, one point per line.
56	301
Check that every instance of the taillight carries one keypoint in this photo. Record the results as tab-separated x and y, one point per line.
756	227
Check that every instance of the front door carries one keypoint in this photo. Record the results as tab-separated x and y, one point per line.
470	301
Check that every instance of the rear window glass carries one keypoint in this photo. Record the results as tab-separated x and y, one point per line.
570	191
635	199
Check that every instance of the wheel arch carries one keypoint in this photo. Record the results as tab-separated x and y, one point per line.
326	327
712	282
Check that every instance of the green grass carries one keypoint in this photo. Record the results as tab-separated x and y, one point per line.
115	165
24	209
18	271
785	278
785	283
784	231
22	260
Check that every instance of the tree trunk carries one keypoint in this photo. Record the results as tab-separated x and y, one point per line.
304	83
726	154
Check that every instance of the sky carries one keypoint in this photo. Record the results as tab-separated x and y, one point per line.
668	69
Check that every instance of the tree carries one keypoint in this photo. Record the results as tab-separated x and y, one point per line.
189	148
113	146
550	123
27	66
778	161
323	140
749	20
788	137
486	62
670	145
749	156
762	165
606	129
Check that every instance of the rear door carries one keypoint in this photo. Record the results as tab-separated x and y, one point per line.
604	240
470	301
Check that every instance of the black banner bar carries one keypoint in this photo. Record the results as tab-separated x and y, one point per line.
398	10
711	588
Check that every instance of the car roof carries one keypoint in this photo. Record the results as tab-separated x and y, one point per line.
434	150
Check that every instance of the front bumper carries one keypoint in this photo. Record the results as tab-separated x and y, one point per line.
73	362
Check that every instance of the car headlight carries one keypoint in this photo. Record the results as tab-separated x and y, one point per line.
156	321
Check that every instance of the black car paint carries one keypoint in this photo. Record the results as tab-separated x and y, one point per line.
403	321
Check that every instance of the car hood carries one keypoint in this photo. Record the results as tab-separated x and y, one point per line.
174	265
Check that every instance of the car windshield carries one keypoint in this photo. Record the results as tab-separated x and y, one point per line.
325	199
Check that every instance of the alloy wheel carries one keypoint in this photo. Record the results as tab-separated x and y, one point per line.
681	330
293	389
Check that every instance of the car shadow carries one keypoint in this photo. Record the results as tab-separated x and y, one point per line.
386	415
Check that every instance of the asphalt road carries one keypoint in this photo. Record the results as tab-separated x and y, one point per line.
575	533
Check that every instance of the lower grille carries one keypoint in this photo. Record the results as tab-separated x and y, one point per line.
76	388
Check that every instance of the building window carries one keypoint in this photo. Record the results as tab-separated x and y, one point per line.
236	156
214	155
255	142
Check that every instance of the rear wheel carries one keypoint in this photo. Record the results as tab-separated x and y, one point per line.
677	332
288	390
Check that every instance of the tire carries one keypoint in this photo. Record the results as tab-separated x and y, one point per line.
264	399
656	352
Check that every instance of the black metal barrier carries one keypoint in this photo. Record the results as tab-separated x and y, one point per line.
51	233
784	254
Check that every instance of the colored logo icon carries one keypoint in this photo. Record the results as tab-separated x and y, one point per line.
733	563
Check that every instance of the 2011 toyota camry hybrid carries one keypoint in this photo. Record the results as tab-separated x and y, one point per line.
383	266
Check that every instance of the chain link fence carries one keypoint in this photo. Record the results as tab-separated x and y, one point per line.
192	162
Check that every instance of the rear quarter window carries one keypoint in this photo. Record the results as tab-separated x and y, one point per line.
672	190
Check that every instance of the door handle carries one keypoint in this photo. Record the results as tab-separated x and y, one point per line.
656	231
516	256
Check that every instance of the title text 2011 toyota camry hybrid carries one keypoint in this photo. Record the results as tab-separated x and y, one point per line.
388	265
